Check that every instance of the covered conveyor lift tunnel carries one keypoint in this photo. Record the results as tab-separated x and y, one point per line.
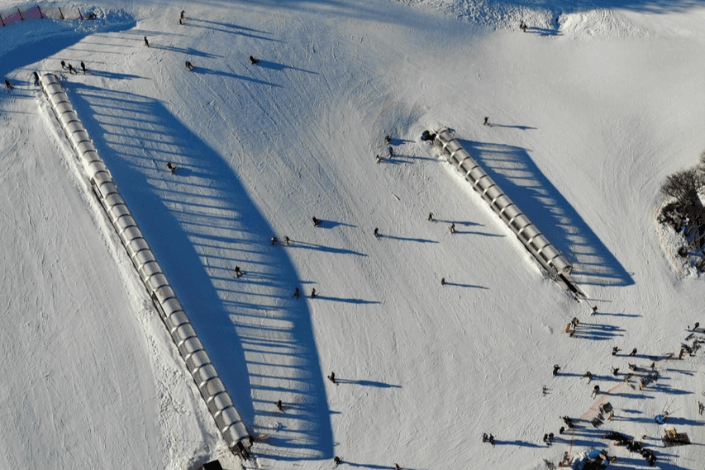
548	256
197	360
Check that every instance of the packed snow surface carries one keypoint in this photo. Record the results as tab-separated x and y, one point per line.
589	110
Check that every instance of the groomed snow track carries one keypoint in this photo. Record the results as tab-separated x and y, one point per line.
170	309
538	245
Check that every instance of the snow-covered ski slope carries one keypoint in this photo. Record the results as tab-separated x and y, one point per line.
588	117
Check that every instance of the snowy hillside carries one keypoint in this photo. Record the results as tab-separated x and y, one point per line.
587	117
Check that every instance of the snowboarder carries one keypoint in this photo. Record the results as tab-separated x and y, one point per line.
83	67
443	281
171	167
452	228
588	374
316	222
485	437
615	350
331	377
595	390
8	85
337	460
378	159
297	294
561	430
633	353
239	272
183	14
189	65
274	240
491	439
615	371
280	405
313	293
388	139
253	60
287	240
146	42
430	216
545	438
633	367
71	69
63	64
556	368
486	123
376	232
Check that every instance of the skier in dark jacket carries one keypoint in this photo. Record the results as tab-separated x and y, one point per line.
556	368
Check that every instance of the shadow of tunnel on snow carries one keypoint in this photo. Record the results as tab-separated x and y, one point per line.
201	223
515	172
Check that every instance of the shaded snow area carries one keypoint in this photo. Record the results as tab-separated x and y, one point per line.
587	116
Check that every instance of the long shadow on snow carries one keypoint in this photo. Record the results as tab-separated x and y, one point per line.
31	41
514	171
200	227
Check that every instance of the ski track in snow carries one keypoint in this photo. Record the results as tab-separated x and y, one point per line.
589	115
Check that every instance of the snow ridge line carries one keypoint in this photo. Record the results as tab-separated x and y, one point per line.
197	361
548	256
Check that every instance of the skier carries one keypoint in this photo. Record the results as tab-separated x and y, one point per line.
171	167
633	367
83	67
280	405
376	232
331	377
588	374
430	216
390	151
485	437
313	293
545	438
696	326
388	139
653	366
8	85
452	228
63	64
316	222
239	272
615	350
561	430
615	371
595	390
486	123
71	69
36	78
397	467
297	294
443	281
189	65
633	353
253	60
378	159
183	14
491	439
550	438
274	240
337	460
146	42
287	240
556	368
701	407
